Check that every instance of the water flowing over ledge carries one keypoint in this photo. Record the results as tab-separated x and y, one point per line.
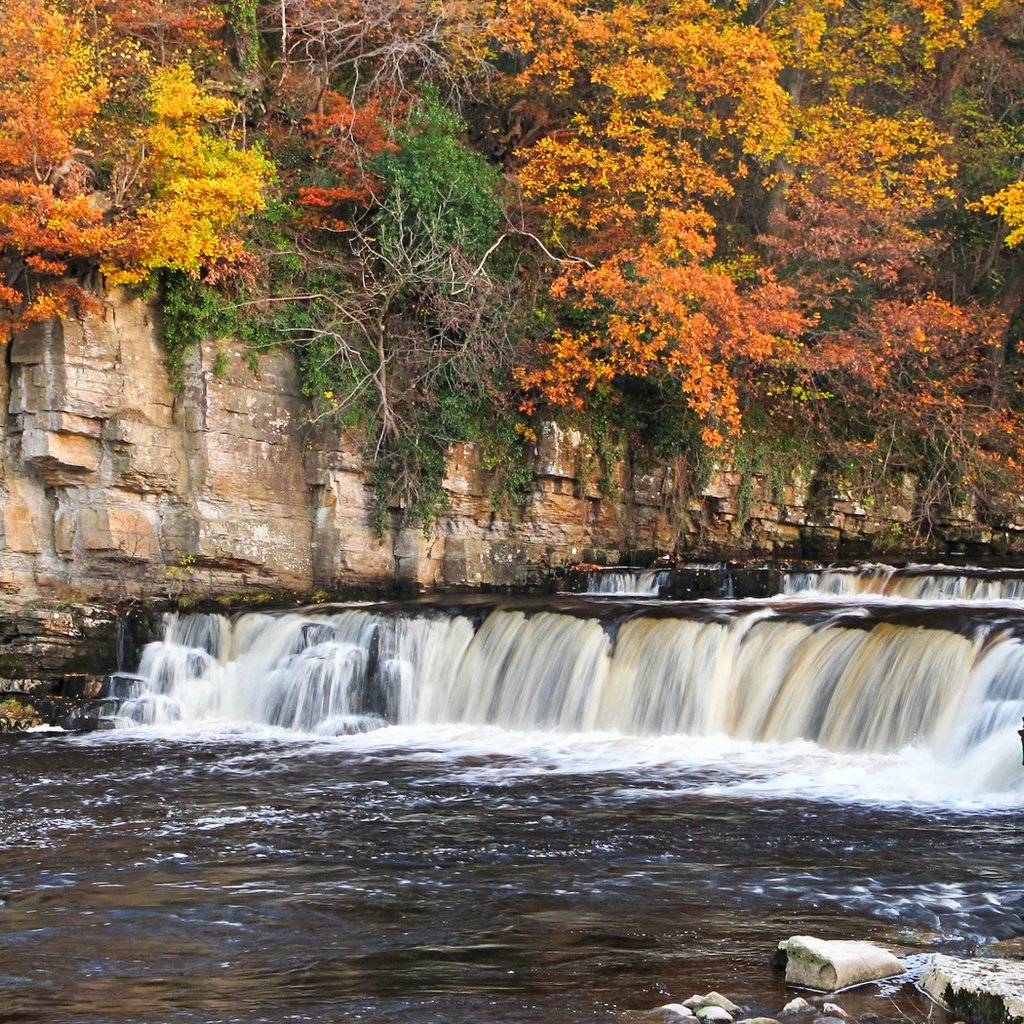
913	583
624	582
855	680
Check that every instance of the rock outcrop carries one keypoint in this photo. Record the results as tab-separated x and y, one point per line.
114	486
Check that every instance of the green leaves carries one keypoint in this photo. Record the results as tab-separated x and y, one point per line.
442	192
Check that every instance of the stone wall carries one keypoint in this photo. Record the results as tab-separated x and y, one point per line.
114	487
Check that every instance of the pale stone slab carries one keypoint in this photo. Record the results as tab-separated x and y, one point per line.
982	991
828	966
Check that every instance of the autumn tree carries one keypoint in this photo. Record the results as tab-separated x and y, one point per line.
346	140
198	186
900	369
165	31
51	230
654	113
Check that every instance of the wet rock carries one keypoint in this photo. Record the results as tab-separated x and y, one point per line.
714	1015
758	1020
795	1007
835	1010
695	1002
829	1020
982	991
675	1011
828	966
670	1013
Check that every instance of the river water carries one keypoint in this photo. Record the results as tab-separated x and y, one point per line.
242	851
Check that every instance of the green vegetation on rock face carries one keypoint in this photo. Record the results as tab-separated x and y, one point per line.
696	231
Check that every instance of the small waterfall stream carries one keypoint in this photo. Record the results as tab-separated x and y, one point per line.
913	583
621	582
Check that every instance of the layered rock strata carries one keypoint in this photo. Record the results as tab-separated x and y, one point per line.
114	486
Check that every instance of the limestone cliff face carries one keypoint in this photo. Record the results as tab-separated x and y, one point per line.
113	486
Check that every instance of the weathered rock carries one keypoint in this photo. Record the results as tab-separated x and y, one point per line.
795	1007
675	1011
981	991
717	999
828	966
714	1015
758	1020
835	1010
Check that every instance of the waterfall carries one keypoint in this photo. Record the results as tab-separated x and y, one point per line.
627	582
913	583
858	679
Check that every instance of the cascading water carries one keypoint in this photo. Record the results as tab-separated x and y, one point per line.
913	583
627	582
553	810
851	680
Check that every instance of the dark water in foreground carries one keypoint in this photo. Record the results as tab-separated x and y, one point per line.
394	878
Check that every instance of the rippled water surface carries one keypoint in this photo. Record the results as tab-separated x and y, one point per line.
417	875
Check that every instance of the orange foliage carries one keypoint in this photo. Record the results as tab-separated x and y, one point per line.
673	105
345	138
49	92
50	88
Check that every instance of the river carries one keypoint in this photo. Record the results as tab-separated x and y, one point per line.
512	811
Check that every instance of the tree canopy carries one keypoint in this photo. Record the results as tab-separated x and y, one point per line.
671	219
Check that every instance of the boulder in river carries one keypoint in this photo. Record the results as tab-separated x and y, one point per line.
696	1002
675	1011
714	1015
828	966
980	991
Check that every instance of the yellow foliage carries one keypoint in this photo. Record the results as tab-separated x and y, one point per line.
201	186
1008	203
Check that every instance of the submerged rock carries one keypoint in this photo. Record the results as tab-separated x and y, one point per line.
828	966
981	991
